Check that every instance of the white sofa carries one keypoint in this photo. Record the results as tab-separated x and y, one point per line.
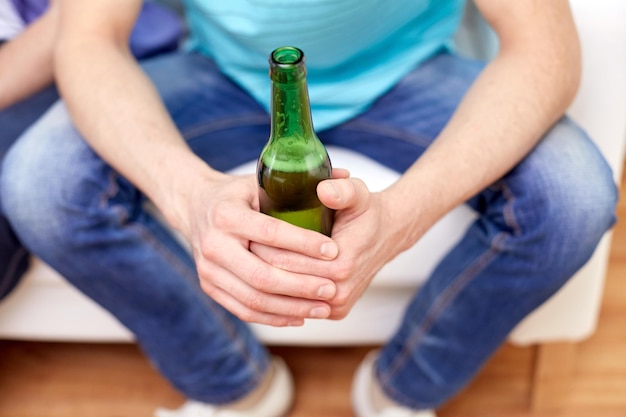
44	307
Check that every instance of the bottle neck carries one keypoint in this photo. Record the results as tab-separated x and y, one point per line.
291	114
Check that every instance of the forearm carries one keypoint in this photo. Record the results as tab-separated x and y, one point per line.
503	116
120	114
26	61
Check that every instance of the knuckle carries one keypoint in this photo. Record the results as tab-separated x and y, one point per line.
221	217
359	183
341	300
204	272
344	270
281	260
304	291
269	230
297	311
254	301
277	321
338	314
259	278
208	288
245	315
209	250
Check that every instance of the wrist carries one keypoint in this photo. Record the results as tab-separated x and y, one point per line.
184	181
411	210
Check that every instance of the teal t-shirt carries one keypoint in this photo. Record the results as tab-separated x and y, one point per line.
355	50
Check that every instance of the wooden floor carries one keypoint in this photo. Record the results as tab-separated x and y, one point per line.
95	380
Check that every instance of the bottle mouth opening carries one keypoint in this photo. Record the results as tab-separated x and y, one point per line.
287	56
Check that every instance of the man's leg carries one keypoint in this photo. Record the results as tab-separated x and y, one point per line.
81	217
14	121
538	225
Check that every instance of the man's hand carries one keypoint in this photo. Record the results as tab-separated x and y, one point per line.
119	112
222	223
365	236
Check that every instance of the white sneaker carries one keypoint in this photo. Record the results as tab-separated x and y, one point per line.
362	393
276	401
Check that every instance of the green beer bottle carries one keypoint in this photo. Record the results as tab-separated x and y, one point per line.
294	160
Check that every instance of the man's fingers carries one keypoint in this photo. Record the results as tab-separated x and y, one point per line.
340	173
267	278
258	227
344	193
245	313
253	305
290	261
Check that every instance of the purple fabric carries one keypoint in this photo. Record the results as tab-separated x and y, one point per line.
158	29
30	10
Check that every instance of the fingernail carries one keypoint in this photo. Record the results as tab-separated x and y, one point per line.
329	250
319	313
326	291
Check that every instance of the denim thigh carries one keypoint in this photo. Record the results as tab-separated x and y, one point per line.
79	215
14	120
221	123
537	226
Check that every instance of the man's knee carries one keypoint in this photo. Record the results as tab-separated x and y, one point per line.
572	196
40	176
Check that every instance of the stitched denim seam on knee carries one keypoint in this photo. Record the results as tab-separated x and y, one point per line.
413	138
173	260
224	123
110	191
496	246
442	302
155	243
507	210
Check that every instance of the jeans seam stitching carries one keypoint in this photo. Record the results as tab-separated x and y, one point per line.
150	239
443	301
147	236
174	261
507	210
111	189
208	127
409	137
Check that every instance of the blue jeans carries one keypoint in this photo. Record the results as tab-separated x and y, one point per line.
14	121
537	226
